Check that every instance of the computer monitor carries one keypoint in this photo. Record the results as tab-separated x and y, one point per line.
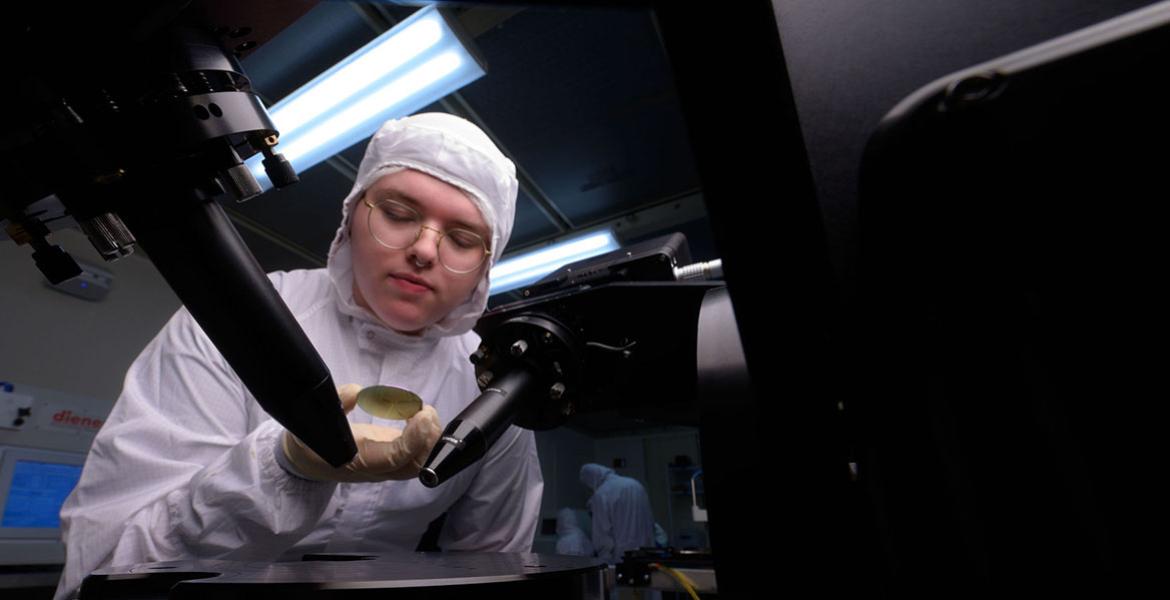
33	485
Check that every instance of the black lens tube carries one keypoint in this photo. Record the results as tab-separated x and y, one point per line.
468	438
202	257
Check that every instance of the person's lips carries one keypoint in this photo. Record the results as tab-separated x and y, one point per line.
413	279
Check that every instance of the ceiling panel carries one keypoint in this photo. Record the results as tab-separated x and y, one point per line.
314	43
584	100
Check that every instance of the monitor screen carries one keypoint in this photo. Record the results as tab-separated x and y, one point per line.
36	493
34	483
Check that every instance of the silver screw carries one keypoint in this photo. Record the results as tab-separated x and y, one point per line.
519	348
557	391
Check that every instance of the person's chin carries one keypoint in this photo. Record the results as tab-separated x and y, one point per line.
402	323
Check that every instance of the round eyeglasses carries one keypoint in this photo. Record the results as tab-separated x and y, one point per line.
398	226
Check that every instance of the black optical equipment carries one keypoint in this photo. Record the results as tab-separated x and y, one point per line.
129	124
586	343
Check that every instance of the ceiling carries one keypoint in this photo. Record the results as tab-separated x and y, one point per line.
582	100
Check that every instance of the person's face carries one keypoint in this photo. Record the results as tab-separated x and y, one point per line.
409	289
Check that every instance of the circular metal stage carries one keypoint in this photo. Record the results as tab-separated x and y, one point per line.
433	576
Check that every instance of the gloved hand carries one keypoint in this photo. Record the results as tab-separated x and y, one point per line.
383	452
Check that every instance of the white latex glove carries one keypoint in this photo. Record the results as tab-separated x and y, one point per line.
383	452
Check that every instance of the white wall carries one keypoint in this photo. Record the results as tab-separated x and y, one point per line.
60	342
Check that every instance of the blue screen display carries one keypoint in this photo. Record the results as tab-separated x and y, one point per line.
37	492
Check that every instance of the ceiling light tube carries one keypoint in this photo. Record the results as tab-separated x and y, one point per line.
419	61
528	268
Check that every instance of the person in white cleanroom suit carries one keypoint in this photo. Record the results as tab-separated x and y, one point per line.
189	466
620	508
661	539
571	539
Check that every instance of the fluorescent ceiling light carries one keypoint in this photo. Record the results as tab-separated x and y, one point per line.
417	62
317	140
528	268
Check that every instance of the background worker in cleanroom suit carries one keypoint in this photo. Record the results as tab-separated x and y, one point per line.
188	464
571	538
620	508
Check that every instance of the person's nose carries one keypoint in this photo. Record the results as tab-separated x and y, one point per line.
426	248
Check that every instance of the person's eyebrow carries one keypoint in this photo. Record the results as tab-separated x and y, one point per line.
415	204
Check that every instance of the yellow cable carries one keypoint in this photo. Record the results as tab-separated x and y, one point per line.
683	580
